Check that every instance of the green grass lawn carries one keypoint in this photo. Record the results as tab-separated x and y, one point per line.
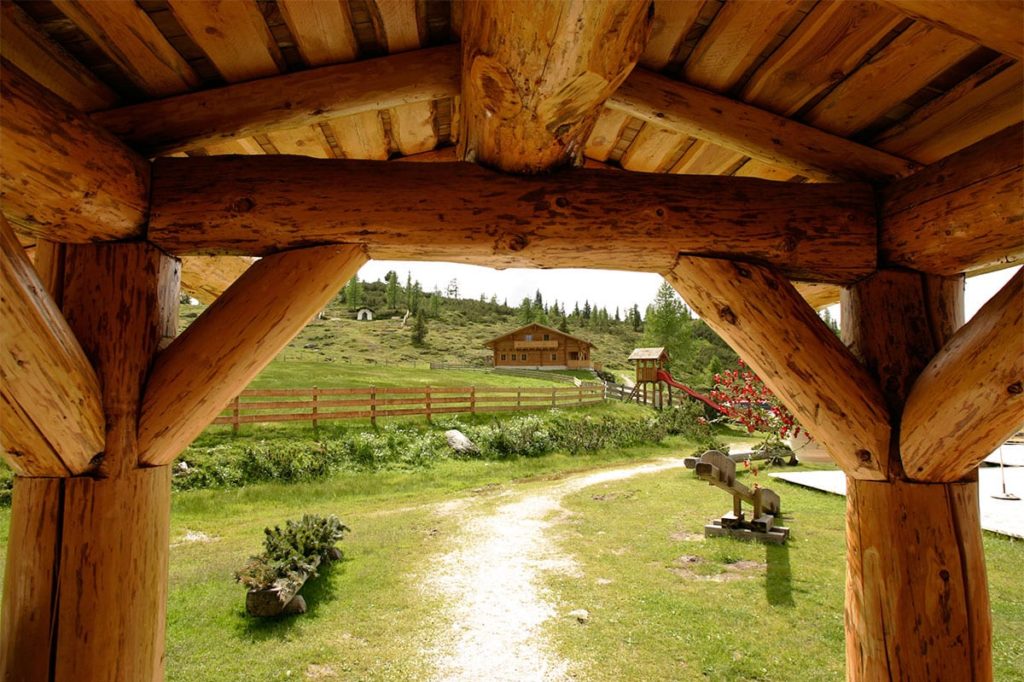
655	615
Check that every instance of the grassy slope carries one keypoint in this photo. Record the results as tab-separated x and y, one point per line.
367	347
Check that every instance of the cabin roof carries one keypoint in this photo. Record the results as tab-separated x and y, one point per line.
546	328
648	353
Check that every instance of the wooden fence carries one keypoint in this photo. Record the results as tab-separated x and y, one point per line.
329	404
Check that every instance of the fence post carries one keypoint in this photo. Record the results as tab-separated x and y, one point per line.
234	415
472	399
373	405
316	397
427	391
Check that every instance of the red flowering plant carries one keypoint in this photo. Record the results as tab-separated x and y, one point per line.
747	401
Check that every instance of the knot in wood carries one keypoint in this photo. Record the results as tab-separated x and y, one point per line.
243	205
1015	389
727	315
864	456
511	242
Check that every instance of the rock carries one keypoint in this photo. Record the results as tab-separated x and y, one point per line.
581	616
183	466
310	345
458	442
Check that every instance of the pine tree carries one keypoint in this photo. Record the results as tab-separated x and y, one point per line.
416	297
617	318
635	320
563	326
586	310
435	304
354	293
668	324
453	288
526	311
538	300
391	291
419	329
408	291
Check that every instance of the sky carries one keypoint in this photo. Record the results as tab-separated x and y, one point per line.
607	288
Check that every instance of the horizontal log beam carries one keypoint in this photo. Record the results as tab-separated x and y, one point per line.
963	213
62	177
754	132
992	23
281	102
236	337
763	318
818	296
207	277
970	397
465	213
53	420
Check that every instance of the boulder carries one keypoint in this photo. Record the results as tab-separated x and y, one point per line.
458	442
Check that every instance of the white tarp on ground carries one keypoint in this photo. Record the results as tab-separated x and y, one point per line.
1013	455
999	516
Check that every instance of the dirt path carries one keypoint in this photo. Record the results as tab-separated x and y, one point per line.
493	581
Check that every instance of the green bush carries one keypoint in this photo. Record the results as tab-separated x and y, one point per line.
293	554
688	420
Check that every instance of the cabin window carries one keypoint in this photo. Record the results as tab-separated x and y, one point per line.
528	337
554	356
502	356
547	337
574	355
523	356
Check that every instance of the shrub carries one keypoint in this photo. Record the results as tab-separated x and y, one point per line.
291	555
688	420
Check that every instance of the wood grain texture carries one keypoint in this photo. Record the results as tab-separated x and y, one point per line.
818	296
536	73
62	177
764	319
412	128
827	45
653	149
917	605
970	397
303	141
361	136
909	63
53	412
977	108
998	24
605	134
30	49
233	35
270	303
751	131
741	31
669	26
463	212
322	30
286	101
963	213
207	277
28	616
133	42
396	24
122	302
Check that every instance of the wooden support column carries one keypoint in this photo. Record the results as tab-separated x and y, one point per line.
916	595
102	541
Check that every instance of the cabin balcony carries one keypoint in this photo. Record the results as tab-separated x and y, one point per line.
536	345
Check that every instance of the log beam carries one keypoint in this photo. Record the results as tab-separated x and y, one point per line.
62	177
463	212
970	397
198	119
759	134
535	75
757	312
916	594
91	582
963	213
53	418
998	24
266	307
207	277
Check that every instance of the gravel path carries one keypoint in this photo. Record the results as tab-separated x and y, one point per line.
493	581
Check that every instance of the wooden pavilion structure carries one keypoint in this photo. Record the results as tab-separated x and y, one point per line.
736	147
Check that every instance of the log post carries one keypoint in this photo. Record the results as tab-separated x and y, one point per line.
105	538
316	396
916	595
236	406
373	406
427	399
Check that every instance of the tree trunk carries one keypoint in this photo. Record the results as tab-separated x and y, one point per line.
916	596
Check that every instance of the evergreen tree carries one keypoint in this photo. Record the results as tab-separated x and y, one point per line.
635	320
354	293
526	311
416	298
617	318
419	329
563	326
538	300
586	310
576	310
435	304
408	291
668	324
391	290
453	288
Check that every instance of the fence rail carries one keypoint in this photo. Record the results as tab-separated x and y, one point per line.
259	406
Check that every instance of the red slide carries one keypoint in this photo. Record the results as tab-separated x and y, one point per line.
667	378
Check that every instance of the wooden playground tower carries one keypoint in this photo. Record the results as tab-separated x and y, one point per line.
648	363
870	152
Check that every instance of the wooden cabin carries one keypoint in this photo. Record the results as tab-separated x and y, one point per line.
758	155
537	346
